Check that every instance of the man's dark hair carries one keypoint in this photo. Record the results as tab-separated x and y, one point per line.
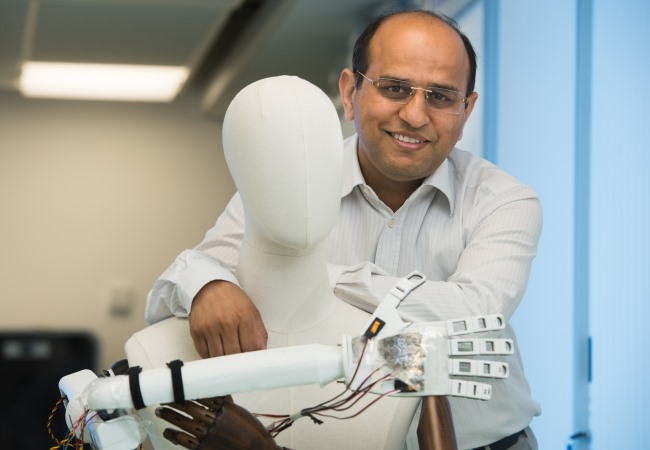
360	53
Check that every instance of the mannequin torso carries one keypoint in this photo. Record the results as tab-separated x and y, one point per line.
287	168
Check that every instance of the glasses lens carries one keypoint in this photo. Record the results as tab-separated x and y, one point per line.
394	90
444	99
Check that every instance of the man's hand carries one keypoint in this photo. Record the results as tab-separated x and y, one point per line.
224	321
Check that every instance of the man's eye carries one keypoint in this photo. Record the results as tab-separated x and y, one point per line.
394	89
439	97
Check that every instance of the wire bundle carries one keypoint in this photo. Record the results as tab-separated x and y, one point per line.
70	440
339	403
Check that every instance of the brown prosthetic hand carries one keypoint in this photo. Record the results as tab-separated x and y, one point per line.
215	424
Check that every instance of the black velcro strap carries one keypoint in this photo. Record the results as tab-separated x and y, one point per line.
134	385
505	443
177	380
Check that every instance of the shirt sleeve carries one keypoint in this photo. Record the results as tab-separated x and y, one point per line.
491	275
215	258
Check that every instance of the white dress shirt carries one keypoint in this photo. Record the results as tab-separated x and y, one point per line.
470	228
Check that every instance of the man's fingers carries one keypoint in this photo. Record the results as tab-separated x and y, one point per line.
252	336
229	339
201	346
215	346
262	335
206	338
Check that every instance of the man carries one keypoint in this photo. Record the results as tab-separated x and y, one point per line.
409	201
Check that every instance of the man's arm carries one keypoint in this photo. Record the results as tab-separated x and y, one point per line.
490	278
173	292
200	285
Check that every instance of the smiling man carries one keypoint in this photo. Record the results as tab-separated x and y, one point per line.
410	200
404	137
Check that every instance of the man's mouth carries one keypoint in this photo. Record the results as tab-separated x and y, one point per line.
407	139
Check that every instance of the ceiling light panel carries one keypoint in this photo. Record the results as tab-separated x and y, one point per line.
102	81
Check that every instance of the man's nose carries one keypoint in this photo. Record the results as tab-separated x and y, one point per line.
415	112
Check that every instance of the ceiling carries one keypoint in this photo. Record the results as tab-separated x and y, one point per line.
227	44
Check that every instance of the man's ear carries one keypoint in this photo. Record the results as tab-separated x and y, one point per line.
347	91
470	106
468	111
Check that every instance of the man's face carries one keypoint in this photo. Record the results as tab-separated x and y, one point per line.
400	144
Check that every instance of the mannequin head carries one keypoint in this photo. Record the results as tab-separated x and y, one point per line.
283	145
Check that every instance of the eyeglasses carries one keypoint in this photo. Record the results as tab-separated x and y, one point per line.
399	91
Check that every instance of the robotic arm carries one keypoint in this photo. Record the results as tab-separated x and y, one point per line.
391	357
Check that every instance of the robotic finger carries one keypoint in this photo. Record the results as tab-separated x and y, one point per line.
209	424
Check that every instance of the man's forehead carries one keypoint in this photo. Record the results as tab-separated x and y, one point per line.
416	19
404	29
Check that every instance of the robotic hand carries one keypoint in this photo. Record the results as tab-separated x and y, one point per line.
390	358
425	358
209	424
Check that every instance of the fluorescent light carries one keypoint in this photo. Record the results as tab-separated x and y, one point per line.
102	81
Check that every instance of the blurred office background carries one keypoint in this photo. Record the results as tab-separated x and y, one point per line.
98	196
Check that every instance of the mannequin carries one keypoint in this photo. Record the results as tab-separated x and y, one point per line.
283	145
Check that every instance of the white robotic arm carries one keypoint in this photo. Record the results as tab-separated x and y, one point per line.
391	357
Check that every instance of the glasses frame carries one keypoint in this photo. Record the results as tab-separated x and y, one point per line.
427	91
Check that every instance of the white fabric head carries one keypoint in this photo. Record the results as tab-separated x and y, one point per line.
283	144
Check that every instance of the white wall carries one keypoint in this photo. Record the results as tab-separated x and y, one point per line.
96	199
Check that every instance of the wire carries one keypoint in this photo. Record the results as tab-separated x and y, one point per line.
337	403
50	417
78	428
350	401
69	437
360	411
71	441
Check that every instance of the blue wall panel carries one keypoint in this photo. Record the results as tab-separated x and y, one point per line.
620	241
535	136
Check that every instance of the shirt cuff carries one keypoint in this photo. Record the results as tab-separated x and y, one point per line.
192	281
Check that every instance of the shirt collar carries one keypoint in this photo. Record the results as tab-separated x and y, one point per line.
351	171
441	179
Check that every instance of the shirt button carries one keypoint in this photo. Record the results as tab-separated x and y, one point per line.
392	223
